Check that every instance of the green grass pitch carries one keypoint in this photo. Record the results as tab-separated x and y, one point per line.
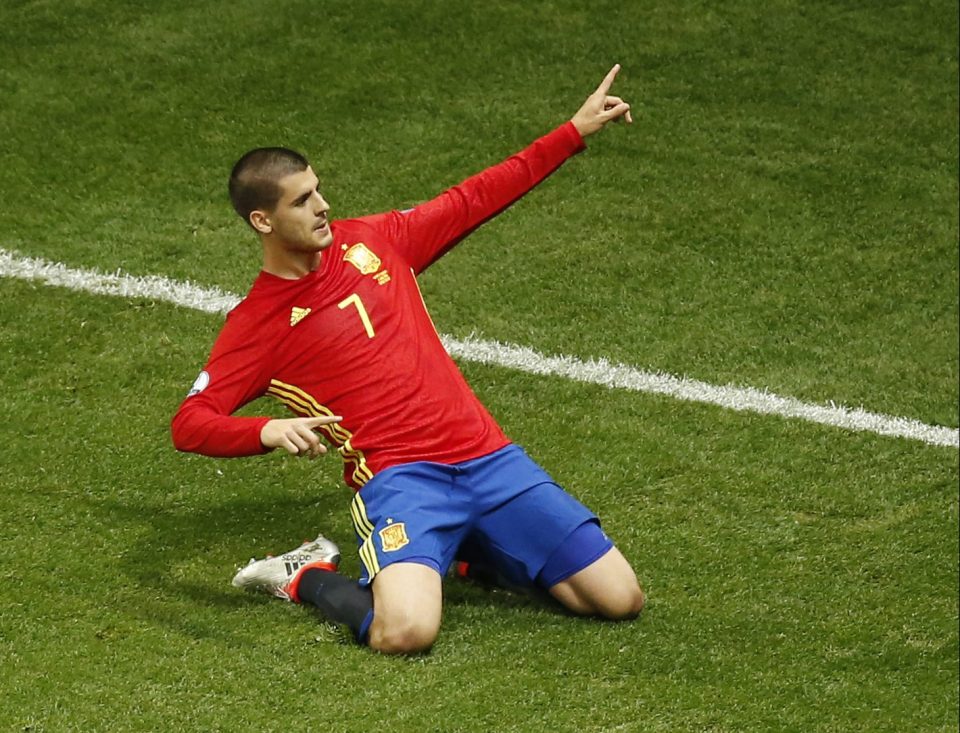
782	215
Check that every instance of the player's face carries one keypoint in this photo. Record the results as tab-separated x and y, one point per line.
300	217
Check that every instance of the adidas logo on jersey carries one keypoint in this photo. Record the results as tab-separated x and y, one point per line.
298	314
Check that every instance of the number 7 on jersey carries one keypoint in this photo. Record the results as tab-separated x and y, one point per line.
354	299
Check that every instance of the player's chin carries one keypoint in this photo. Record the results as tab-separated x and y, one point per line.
323	238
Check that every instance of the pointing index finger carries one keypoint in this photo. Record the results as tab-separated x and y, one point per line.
608	80
323	420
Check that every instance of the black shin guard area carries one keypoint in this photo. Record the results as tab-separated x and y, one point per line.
339	598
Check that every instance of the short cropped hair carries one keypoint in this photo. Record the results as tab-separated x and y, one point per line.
255	178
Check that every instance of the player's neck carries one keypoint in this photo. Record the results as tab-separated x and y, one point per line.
289	265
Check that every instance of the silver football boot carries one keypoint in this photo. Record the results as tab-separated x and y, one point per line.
274	575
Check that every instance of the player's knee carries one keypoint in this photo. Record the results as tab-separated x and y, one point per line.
403	636
614	600
620	600
623	604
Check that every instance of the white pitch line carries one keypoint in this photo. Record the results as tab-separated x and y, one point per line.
601	372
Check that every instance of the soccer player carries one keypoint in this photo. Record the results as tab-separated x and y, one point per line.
335	328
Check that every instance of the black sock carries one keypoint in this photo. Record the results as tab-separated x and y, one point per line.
339	598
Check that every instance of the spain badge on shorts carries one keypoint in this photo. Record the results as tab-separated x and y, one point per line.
393	537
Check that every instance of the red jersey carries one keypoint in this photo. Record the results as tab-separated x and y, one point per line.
353	337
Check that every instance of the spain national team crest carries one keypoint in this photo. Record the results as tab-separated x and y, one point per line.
360	256
393	537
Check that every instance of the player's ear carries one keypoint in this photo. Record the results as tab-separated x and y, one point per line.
260	221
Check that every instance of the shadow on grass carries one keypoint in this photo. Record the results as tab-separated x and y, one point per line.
458	592
184	555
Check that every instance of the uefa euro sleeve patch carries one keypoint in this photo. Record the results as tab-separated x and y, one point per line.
200	384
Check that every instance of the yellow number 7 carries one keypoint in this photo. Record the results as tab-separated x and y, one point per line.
354	299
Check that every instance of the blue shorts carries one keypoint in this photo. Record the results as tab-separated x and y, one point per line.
503	503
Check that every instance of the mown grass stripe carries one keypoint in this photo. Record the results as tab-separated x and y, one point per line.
600	372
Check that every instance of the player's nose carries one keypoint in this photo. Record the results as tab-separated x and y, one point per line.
320	205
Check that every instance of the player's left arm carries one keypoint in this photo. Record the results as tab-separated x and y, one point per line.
427	231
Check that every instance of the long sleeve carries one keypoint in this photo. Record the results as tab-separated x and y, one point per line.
426	232
232	377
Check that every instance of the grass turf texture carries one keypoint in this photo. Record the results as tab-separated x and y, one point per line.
781	215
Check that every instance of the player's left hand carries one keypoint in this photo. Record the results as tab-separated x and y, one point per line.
601	107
